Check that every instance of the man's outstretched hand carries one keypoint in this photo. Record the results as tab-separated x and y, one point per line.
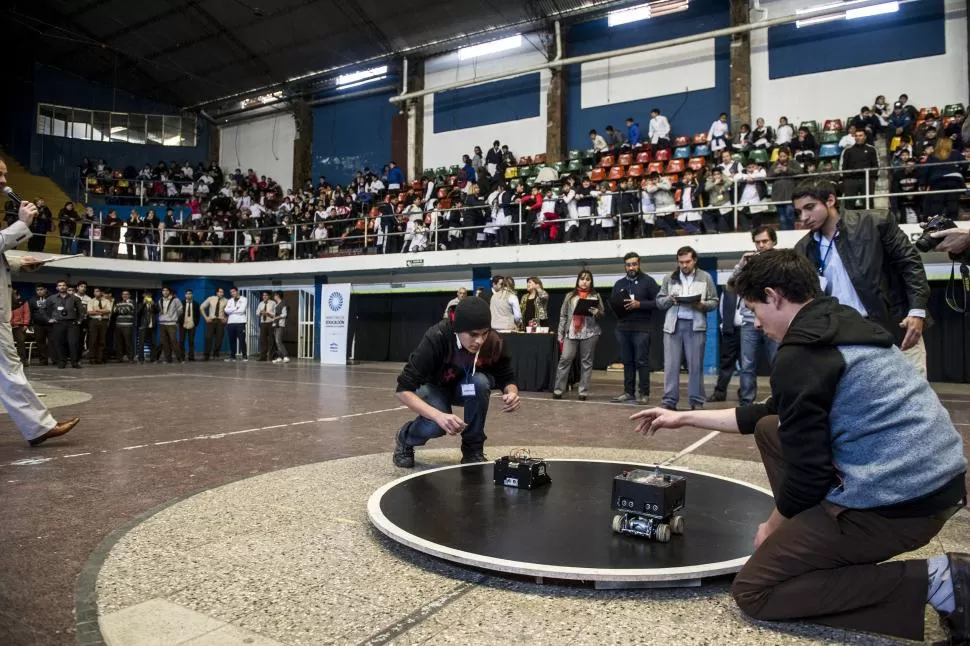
511	400
451	424
653	419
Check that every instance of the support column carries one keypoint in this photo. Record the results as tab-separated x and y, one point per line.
303	144
555	109
215	141
740	67
415	112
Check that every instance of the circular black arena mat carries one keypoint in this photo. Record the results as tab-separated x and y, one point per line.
563	530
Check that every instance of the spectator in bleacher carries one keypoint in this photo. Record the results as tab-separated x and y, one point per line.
762	136
866	122
614	139
751	194
648	210
632	132
880	110
493	158
395	177
783	186
474	218
150	235
911	110
662	194
900	124
691	198
478	162
784	133
729	166
67	227
859	158
605	222
111	234
87	168
600	147
133	235
804	146
926	137
848	139
953	130
508	160
659	130
742	142
84	234
40	227
468	169
585	208
719	134
943	174
719	193
626	207
907	208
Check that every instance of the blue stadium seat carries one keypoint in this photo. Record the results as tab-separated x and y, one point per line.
682	152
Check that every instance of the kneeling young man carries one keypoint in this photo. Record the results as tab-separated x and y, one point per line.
457	363
863	460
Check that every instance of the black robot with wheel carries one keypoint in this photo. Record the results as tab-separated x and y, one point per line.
648	502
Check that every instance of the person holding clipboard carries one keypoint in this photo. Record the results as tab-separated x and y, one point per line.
633	301
578	332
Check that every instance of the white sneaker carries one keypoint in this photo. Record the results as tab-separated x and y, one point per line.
245	360
286	359
277	360
228	359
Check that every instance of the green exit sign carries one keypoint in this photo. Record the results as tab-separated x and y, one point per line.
416	262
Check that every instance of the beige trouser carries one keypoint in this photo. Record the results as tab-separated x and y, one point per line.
22	404
917	357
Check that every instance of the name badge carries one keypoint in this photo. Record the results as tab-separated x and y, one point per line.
468	390
60	308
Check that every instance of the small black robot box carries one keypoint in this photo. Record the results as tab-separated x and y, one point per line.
648	502
521	471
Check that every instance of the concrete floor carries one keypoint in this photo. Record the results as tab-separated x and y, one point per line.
158	433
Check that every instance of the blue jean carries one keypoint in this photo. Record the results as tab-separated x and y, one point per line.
786	216
684	342
752	341
418	431
634	352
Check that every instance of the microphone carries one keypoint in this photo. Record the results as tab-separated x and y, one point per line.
12	195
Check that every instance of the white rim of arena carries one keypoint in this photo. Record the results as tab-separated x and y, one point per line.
526	568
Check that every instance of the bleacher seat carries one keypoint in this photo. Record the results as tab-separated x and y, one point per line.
643	157
811	126
947	121
574	154
525	161
700	138
682	152
635	170
511	172
929	113
625	159
440	171
833	125
539	158
613	187
681	141
574	166
527	171
598	174
673	180
758	155
829	150
606	161
655	167
774	155
697	163
453	170
559	167
829	137
662	155
740	157
676	166
952	109
702	150
616	172
513	183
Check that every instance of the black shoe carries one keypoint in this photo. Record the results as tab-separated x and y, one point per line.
717	396
583	398
76	365
957	623
403	454
668	407
557	395
471	457
696	406
62	365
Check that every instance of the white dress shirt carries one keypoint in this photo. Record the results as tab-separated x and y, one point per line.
236	310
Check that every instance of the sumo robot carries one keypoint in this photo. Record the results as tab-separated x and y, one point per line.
648	502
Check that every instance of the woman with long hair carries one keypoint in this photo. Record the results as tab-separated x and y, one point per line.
534	304
135	236
504	306
67	226
943	173
578	332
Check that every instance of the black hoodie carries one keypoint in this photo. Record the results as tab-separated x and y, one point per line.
857	425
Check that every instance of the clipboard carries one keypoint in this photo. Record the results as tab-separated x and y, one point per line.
584	305
56	258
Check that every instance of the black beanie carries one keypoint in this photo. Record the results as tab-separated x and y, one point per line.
472	313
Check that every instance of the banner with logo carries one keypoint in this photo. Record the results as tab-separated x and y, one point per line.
335	319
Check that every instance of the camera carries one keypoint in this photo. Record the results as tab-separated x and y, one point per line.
936	223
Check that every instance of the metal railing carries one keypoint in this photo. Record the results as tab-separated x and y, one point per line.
367	233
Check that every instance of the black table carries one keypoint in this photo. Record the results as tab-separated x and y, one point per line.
563	530
534	359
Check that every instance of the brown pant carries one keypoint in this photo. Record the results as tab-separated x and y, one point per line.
169	337
266	341
97	336
826	564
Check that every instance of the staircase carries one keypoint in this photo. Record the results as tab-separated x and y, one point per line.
30	187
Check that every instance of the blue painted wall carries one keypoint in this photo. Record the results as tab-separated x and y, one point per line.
58	157
915	31
488	103
689	112
351	135
202	288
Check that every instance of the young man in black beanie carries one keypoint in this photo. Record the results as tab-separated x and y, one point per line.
457	363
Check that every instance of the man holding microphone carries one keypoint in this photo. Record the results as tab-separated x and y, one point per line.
33	419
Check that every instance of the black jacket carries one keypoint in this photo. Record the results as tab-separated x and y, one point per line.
196	314
41	314
857	157
437	360
643	288
885	268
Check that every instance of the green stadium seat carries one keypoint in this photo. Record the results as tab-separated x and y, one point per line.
758	155
574	154
952	109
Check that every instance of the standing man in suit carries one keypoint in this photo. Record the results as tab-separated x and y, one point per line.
191	315
35	422
213	310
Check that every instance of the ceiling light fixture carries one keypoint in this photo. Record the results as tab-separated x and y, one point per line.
492	47
644	11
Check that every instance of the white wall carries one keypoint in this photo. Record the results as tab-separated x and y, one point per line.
524	137
265	145
933	80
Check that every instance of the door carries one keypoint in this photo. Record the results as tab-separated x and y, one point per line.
305	324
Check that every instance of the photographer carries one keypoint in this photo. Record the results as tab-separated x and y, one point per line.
956	242
857	477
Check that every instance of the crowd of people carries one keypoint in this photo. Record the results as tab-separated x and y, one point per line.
75	325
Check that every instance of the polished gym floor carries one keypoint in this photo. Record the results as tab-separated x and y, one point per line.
146	524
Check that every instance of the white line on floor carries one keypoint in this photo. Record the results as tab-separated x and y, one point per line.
693	447
212	436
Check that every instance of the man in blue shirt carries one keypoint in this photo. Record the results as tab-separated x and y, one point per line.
633	301
632	132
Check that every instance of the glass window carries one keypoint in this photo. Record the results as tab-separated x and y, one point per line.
61	118
172	127
45	120
188	131
132	128
80	125
155	134
119	127
101	126
136	128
